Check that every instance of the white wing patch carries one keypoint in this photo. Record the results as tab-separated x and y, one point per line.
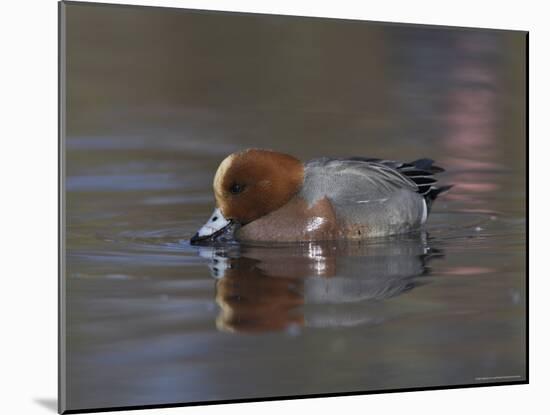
424	212
373	200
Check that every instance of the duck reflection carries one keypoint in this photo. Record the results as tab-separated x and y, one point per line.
273	288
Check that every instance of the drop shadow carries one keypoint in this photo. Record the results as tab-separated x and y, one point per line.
48	403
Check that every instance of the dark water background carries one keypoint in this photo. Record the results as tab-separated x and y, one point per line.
156	99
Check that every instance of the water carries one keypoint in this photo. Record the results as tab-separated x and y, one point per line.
154	320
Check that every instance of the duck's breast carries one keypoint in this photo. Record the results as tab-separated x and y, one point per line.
295	221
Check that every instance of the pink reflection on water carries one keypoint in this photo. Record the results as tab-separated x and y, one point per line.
466	271
471	122
478	187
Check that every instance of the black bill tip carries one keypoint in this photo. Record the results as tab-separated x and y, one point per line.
223	235
195	239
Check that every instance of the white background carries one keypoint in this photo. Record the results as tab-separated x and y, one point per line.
28	163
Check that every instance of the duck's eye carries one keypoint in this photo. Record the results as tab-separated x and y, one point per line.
236	188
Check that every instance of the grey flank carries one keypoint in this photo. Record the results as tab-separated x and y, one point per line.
367	194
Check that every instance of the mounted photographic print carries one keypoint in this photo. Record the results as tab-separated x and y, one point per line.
259	207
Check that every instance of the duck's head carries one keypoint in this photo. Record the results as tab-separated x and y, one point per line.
248	185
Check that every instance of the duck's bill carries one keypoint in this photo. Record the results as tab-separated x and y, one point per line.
216	229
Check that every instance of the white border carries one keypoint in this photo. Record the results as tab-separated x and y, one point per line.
29	202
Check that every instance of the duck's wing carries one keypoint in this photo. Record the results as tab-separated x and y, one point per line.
353	181
372	196
420	171
367	180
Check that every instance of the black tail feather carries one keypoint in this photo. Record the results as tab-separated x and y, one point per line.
427	165
420	171
434	192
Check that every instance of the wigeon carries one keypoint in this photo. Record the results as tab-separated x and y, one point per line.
266	196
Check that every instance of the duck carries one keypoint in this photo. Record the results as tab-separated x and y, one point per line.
265	196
